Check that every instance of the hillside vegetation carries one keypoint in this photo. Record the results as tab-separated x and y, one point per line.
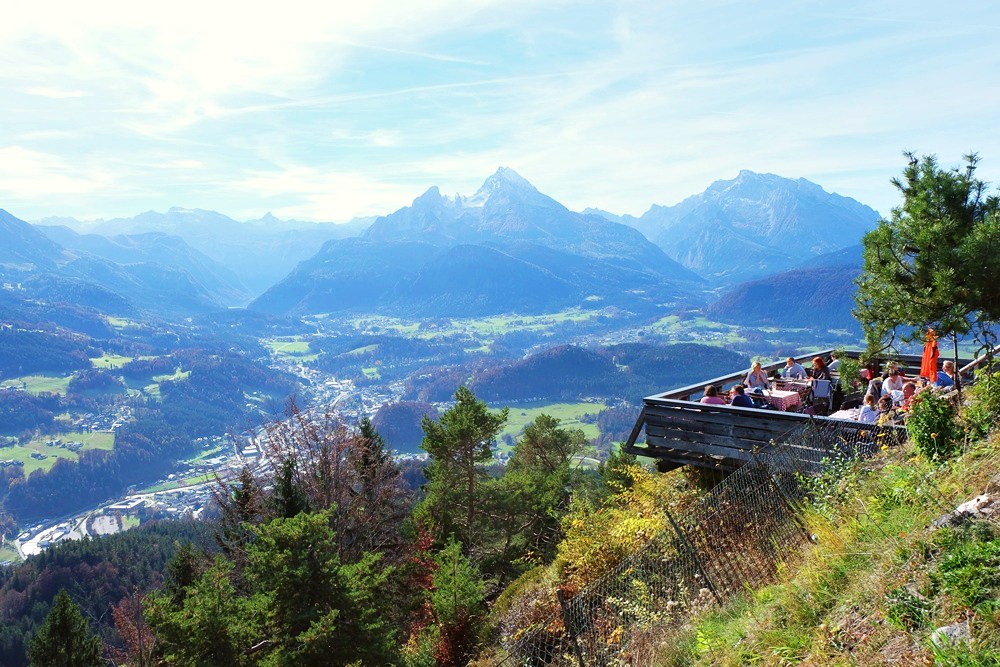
892	564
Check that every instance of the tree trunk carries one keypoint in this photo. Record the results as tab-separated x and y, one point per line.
958	378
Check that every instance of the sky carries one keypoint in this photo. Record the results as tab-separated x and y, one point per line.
330	110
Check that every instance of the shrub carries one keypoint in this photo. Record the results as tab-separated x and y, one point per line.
984	405
933	427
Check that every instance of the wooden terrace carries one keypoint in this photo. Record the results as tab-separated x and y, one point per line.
681	431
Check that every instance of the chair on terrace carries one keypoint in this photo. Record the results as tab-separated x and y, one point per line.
820	396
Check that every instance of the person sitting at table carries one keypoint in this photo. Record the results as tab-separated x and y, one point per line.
793	370
886	412
712	396
946	376
869	412
739	398
820	371
893	383
834	362
909	391
875	387
756	378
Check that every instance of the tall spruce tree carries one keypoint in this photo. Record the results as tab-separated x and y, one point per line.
64	640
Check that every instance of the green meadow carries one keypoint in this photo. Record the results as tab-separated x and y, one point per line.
37	384
568	414
292	346
23	453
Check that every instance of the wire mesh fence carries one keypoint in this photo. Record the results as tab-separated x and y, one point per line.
738	536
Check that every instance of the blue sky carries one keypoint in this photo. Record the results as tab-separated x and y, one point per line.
326	111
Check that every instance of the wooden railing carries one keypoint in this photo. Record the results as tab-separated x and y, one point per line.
681	431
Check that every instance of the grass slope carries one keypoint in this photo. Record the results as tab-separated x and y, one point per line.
879	581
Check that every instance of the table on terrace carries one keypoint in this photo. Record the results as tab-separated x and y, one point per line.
783	400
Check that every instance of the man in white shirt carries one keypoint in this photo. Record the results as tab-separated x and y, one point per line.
793	370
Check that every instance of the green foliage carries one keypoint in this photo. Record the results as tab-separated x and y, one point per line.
212	625
460	445
64	640
907	609
969	570
983	412
615	471
316	609
294	603
932	263
933	427
849	372
458	604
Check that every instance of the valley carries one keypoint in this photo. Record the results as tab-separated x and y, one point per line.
137	354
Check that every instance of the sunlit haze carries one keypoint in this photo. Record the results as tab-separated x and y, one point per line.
326	111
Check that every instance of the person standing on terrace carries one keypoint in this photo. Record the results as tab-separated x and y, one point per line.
793	370
756	378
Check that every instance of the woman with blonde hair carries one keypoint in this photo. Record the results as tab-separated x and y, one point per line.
757	378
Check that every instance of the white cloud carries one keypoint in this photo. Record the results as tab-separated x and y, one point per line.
332	110
55	94
26	175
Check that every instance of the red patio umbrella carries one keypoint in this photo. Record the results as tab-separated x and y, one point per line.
929	362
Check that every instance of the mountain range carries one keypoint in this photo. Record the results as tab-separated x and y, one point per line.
753	225
42	268
258	252
506	248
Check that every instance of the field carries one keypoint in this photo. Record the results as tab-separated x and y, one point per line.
93	440
37	384
9	553
177	483
110	361
496	325
292	346
569	415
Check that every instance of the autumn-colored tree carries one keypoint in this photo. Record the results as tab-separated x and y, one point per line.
318	463
138	641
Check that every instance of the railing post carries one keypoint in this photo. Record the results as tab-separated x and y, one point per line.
569	626
697	561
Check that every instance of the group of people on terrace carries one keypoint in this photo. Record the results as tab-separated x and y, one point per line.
887	397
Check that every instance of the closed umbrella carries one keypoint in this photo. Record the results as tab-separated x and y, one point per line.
929	362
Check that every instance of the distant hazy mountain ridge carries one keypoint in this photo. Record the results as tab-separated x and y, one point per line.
259	252
754	225
817	293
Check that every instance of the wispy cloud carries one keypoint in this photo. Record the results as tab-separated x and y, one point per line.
330	111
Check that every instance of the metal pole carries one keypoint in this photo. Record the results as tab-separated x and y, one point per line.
569	627
690	550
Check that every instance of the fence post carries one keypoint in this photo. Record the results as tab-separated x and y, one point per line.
697	561
786	501
569	626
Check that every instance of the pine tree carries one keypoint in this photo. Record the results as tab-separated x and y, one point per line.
64	640
460	446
